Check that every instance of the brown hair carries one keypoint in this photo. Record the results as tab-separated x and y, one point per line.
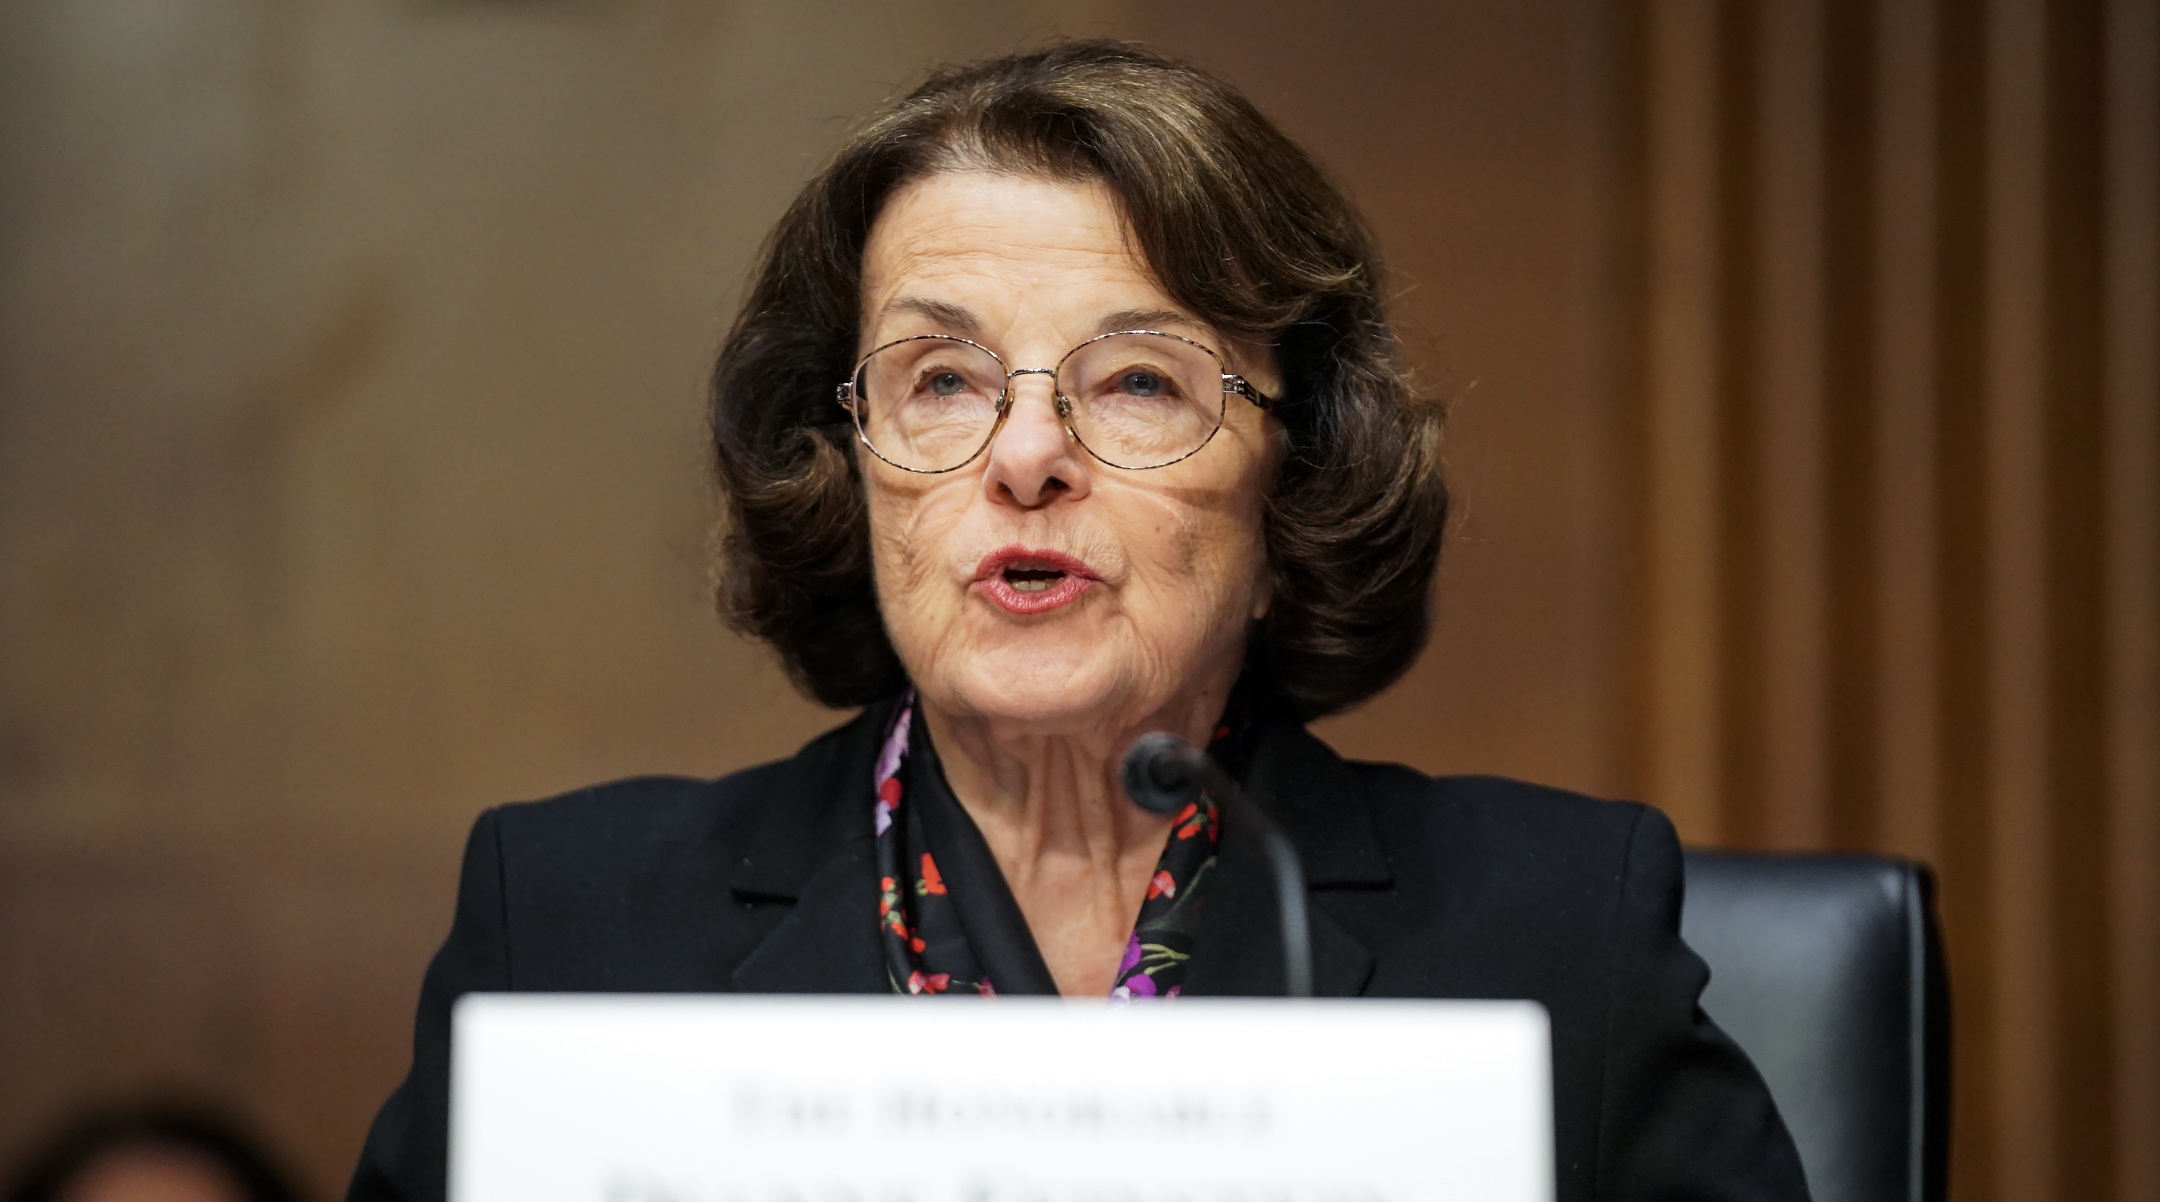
1237	223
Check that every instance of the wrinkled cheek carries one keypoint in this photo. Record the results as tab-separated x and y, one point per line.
1202	591
1242	586
911	561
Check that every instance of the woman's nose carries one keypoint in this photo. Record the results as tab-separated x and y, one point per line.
1034	459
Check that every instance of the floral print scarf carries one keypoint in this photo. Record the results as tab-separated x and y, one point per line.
927	949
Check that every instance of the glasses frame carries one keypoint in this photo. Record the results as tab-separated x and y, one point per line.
1232	383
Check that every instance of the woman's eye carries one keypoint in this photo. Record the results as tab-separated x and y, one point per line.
945	383
1142	383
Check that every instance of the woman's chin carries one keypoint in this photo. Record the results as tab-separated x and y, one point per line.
1057	689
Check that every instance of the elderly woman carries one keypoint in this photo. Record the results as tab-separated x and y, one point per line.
1064	409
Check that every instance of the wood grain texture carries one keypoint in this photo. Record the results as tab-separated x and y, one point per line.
1680	423
2132	399
2014	403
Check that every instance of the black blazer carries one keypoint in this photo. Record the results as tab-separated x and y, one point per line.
1456	887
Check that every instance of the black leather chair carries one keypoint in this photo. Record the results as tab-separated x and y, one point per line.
1827	970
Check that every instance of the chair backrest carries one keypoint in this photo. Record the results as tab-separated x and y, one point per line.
1827	970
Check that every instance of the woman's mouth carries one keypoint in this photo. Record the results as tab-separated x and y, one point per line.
1028	580
1032	580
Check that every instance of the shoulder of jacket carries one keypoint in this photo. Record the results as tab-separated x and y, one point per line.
633	810
658	808
1396	784
1505	818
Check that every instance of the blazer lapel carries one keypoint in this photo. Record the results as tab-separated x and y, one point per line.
1241	953
828	942
1307	788
813	852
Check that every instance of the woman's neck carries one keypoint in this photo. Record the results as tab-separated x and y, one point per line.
1076	852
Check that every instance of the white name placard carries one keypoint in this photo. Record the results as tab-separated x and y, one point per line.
656	1098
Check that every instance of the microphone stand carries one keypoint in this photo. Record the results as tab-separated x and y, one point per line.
1163	774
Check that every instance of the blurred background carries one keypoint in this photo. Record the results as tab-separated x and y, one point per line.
1805	422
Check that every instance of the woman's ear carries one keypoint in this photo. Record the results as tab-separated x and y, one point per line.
1278	436
1263	594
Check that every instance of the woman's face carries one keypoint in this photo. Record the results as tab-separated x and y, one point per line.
1037	584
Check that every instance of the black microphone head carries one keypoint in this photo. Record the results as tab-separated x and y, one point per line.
1162	773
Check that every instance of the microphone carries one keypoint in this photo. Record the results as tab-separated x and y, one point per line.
1164	773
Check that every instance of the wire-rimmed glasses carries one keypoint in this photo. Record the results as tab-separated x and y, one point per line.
1135	399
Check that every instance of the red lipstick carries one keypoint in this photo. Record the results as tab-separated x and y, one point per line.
1028	580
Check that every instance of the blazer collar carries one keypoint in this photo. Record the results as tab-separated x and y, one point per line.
1316	799
1314	795
813	847
819	802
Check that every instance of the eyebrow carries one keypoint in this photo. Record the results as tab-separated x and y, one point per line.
1149	319
954	319
959	319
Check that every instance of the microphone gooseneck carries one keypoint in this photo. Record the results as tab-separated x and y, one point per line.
1164	774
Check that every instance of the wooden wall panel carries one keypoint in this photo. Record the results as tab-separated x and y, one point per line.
2014	400
1787	350
1680	466
1931	305
2131	466
1903	308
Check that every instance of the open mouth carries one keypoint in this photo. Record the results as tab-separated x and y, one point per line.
1032	580
1029	580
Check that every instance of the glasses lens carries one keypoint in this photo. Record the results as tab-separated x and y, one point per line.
928	403
1142	400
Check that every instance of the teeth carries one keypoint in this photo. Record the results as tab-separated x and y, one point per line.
1032	580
